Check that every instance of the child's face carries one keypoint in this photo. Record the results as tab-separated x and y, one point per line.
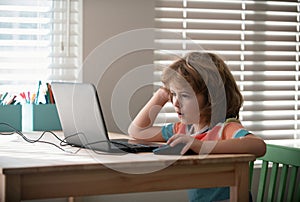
187	104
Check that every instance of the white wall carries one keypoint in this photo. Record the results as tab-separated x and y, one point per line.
103	22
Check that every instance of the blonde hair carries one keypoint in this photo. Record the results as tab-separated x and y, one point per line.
200	69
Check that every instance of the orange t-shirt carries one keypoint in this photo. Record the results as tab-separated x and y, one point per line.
231	128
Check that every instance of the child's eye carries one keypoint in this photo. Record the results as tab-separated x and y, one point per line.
185	95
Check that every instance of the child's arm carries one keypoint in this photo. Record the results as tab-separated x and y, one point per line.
142	126
249	144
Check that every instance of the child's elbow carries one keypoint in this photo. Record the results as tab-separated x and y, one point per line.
261	148
133	131
130	130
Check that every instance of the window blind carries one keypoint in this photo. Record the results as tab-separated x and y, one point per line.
259	40
39	40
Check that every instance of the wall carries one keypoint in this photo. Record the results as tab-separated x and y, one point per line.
107	61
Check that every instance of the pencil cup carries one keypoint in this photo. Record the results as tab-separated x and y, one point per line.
11	115
40	117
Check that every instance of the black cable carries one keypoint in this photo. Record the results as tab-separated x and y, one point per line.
35	140
63	142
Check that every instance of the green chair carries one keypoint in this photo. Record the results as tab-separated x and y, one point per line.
282	185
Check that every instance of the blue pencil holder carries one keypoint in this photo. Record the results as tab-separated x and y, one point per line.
40	117
11	115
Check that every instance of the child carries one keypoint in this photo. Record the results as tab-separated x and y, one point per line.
207	100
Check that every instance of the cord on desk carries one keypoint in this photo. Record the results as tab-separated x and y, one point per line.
34	140
63	142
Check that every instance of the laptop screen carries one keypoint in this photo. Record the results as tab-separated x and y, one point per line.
80	113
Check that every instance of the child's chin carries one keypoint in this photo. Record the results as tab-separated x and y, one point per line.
184	121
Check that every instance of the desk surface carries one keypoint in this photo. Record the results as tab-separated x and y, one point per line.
38	170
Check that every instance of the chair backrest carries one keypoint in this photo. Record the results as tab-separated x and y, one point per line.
280	188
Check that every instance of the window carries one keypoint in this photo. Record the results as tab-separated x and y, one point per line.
39	40
259	41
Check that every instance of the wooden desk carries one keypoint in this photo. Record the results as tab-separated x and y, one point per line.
36	171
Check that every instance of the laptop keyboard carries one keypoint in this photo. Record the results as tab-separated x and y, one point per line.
133	148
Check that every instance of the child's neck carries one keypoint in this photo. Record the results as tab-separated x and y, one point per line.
199	127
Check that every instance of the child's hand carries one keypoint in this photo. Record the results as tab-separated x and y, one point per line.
164	93
181	138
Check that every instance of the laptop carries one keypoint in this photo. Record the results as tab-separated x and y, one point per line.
83	123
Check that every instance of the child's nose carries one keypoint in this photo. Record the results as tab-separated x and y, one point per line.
176	102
